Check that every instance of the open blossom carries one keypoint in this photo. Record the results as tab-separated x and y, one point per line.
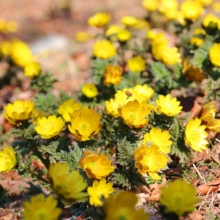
19	111
32	69
67	185
214	54
49	127
99	20
123	35
41	208
136	64
168	6
7	159
96	166
170	56
90	90
129	21
68	108
122	206
150	160
144	90
112	107
159	138
179	197
134	114
112	75
167	106
195	135
98	190
85	123
210	21
104	49
113	29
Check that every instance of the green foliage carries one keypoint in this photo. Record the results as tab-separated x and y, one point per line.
43	83
212	87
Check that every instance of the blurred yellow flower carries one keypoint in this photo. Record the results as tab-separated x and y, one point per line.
5	48
205	2
20	53
49	127
214	54
211	21
142	24
170	56
195	40
7	159
123	35
134	113
129	21
68	108
32	70
179	197
151	5
11	26
144	90
150	160
136	64
69	186
84	123
171	14
2	24
19	111
41	208
168	5
113	29
83	36
98	190
37	114
112	75
180	18
89	90
159	138
216	6
195	135
99	20
151	35
191	10
121	206
192	72
104	49
167	106
96	166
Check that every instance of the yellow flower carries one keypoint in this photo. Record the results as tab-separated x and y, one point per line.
151	35
195	135
151	5
210	21
85	123
191	10
192	72
179	197
134	114
121	206
96	166
167	106
67	185
20	53
168	5
32	69
145	90
104	49
5	48
129	21
216	6
136	64
49	127
113	29
195	40
142	24
159	138
11	26
37	114
90	90
68	108
112	108
207	114
99	20
150	160
123	35
180	18
205	2
7	159
112	75
171	14
2	24
170	56
41	208
98	190
19	111
214	54
83	36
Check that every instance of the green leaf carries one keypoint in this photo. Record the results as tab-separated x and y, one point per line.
159	70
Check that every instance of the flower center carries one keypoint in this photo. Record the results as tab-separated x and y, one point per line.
41	216
132	116
92	164
146	159
84	127
121	217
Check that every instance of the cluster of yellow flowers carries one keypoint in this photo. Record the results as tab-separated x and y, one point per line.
8	26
